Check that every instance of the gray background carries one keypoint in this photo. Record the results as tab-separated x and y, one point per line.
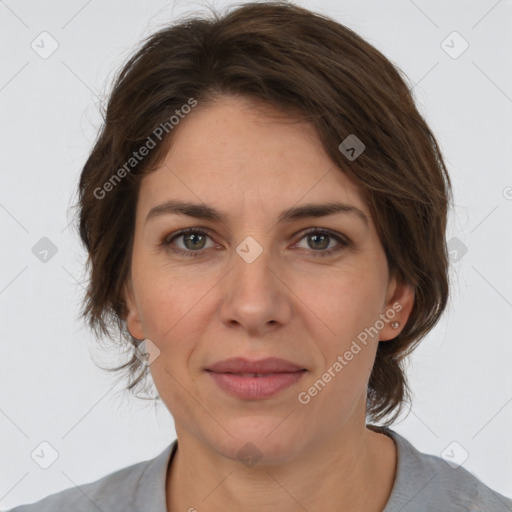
51	389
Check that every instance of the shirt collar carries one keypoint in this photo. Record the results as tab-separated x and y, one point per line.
151	492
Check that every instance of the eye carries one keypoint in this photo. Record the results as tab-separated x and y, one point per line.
320	239
193	240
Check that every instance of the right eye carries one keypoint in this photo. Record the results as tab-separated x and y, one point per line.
193	242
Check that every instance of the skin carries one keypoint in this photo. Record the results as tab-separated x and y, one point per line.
251	162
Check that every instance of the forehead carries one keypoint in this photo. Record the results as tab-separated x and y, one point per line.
246	156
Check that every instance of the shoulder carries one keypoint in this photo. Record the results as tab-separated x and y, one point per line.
126	489
426	482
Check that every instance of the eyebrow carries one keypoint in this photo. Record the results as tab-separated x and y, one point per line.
205	212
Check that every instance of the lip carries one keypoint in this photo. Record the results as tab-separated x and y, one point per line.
252	380
242	365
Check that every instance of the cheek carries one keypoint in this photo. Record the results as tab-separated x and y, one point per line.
176	308
345	306
173	316
165	293
167	308
344	302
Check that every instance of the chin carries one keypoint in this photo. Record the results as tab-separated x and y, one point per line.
257	440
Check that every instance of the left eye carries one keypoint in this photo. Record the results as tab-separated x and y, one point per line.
319	241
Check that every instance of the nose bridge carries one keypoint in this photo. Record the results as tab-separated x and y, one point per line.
254	295
252	263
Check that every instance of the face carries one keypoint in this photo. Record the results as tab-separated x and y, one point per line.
253	285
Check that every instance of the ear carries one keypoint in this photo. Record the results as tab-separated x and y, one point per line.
132	319
399	304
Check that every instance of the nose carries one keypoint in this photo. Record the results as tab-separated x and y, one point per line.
255	297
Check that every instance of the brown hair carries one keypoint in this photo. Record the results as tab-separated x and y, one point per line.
305	64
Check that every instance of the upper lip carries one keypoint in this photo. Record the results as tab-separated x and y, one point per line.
242	365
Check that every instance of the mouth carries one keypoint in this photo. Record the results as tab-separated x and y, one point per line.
254	380
256	374
241	366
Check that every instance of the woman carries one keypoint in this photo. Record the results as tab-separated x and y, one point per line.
266	209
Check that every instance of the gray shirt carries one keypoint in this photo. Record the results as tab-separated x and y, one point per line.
423	483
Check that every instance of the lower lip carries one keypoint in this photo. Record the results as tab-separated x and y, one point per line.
255	387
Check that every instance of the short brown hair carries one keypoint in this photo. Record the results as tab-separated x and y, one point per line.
306	65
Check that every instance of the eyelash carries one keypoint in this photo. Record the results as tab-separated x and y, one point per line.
166	243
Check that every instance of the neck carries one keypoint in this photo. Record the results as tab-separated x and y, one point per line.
353	471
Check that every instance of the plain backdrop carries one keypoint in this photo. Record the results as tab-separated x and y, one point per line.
52	391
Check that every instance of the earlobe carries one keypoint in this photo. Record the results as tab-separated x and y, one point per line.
397	311
133	323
